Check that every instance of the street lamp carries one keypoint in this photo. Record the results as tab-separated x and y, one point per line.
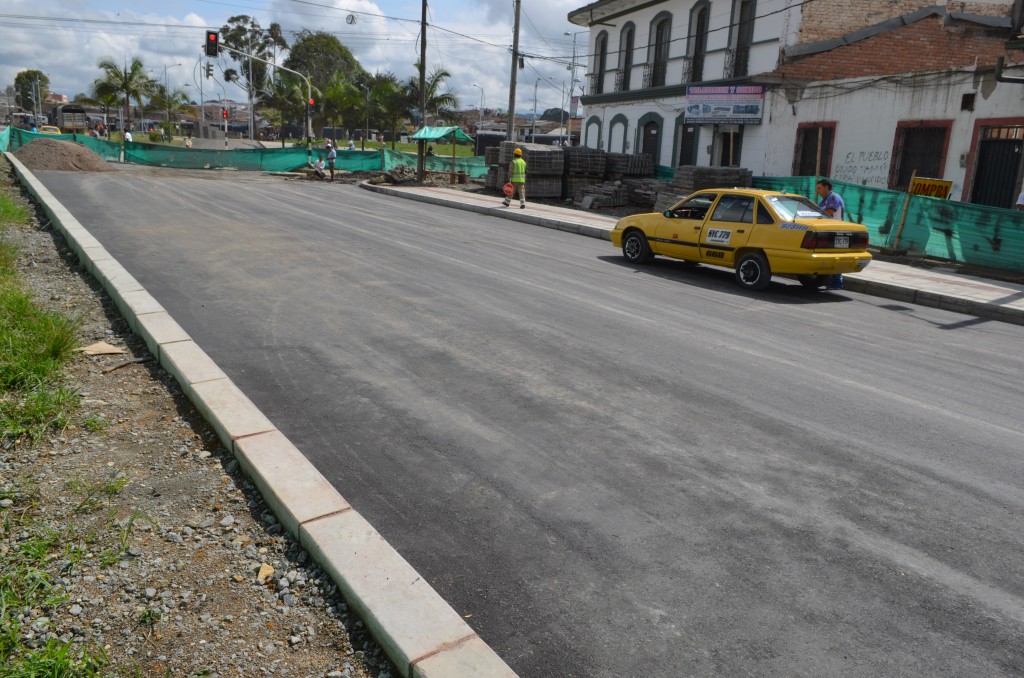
167	101
366	118
480	124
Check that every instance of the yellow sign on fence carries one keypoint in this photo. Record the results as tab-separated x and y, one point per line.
933	188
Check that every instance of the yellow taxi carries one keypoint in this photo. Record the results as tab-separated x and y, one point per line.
49	129
757	233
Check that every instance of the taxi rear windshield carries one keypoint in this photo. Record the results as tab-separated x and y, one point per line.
791	207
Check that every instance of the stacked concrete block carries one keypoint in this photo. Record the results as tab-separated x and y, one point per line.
605	194
491	155
643	191
626	165
543	167
581	161
690	178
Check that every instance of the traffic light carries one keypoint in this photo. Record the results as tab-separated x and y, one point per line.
224	113
212	43
209	70
311	105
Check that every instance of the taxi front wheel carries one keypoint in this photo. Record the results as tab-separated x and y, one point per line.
752	271
635	248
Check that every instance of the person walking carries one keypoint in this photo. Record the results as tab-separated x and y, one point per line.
332	155
517	177
831	204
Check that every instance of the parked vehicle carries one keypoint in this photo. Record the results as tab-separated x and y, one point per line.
70	118
757	233
49	129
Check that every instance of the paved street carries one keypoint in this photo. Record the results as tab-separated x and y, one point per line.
611	470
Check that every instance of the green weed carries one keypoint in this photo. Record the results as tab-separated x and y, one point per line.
95	423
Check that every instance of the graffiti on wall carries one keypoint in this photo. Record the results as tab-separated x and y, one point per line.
867	168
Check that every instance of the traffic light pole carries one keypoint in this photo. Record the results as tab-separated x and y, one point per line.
309	97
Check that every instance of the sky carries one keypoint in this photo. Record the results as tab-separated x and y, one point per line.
471	39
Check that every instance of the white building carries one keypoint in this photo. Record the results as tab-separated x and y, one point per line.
751	83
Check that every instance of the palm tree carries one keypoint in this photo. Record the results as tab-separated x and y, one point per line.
341	97
394	100
129	82
169	101
442	103
287	95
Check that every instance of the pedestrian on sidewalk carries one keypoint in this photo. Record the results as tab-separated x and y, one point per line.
517	177
831	204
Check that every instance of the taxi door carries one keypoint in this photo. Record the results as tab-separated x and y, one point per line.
678	235
728	228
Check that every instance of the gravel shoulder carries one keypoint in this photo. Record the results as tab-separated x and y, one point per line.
168	558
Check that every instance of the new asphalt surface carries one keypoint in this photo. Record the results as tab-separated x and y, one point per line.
612	470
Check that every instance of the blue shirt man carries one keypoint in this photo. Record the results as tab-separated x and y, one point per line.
831	204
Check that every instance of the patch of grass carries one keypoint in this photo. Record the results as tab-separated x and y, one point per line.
93	494
95	424
35	344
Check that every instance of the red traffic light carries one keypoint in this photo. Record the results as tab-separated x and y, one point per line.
224	113
212	43
311	102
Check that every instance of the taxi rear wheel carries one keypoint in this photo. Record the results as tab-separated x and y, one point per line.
635	248
752	271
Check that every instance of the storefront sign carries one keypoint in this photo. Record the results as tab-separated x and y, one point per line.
727	104
933	188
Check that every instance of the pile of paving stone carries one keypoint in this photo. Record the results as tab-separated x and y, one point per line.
543	168
690	178
619	165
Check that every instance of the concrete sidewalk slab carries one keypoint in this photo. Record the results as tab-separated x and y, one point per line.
949	291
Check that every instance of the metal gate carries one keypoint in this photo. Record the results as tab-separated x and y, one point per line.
999	164
688	144
918	149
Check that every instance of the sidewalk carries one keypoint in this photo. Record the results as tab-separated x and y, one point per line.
937	288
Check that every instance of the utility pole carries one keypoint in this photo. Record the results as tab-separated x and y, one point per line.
510	130
534	133
421	161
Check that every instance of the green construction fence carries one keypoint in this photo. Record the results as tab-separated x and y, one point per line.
990	237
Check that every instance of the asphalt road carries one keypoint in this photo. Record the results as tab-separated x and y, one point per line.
612	470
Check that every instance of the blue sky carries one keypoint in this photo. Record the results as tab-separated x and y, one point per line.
470	39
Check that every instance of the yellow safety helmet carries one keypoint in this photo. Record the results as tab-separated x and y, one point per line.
518	151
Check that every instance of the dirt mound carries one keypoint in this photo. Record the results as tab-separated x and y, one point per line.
51	154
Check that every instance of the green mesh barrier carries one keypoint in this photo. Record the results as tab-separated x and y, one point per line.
5	140
472	166
979	235
664	173
107	150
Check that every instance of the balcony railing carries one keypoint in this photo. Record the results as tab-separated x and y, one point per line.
736	59
620	80
595	84
654	74
687	69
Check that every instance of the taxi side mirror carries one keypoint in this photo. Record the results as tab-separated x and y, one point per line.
668	214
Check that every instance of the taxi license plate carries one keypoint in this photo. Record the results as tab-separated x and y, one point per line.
842	241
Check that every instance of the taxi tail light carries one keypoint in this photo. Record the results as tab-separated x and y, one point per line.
812	239
826	239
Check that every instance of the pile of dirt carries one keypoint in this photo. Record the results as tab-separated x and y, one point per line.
51	154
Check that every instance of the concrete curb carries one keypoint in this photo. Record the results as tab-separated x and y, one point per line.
419	631
853	283
525	217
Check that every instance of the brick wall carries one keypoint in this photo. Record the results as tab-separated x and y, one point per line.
921	46
826	19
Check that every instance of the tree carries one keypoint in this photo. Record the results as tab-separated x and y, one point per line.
394	102
168	101
319	56
245	34
127	83
343	100
554	115
286	94
25	86
442	102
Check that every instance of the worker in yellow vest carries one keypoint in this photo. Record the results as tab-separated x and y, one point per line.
517	177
